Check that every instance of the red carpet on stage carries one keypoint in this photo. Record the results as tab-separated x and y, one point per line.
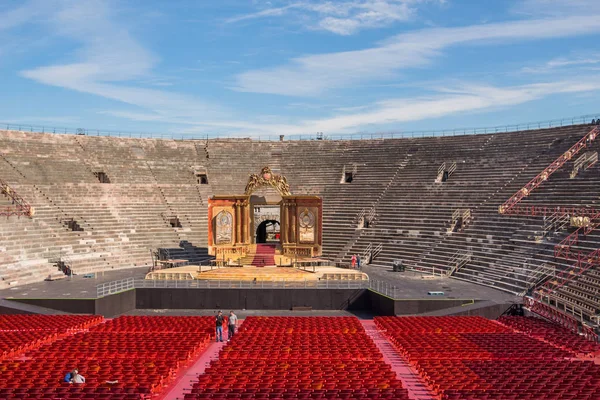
265	255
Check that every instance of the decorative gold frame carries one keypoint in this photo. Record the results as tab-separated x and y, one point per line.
267	178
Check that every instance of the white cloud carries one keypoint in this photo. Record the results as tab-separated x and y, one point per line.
472	98
589	62
109	56
22	15
343	17
314	74
557	7
466	98
269	12
110	59
37	119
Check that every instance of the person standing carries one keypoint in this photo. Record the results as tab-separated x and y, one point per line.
219	322
232	325
358	261
353	261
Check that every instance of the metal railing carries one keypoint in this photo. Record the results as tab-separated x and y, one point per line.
527	126
21	206
108	288
385	288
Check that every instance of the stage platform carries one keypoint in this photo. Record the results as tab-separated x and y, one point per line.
258	274
413	286
76	287
410	285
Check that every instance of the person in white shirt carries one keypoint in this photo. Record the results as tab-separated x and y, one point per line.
232	324
76	377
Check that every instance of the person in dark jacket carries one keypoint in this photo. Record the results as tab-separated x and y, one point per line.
219	322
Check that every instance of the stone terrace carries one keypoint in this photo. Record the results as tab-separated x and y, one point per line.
153	181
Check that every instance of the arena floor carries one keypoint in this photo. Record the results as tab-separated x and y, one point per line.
411	286
414	287
77	287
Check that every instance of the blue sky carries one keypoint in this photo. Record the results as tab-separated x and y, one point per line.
255	67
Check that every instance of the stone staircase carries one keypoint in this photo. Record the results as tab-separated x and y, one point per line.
261	255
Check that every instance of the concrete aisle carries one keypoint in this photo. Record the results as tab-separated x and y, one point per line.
186	380
409	377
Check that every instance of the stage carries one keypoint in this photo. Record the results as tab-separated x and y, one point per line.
79	295
251	273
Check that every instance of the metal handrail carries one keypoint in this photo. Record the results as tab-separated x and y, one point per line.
109	288
520	127
22	207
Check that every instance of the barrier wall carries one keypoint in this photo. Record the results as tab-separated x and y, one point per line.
249	299
354	300
108	306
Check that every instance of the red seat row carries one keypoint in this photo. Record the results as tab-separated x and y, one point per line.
446	324
139	357
20	333
159	324
552	333
32	322
474	346
329	325
554	378
473	358
299	358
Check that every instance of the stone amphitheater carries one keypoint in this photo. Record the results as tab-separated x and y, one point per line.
107	203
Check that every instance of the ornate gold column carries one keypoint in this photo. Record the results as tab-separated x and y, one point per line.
293	223
247	221
238	222
243	223
285	223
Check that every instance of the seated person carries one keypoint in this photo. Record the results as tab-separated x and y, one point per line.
74	377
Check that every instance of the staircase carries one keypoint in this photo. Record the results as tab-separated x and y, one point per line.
556	222
21	207
263	255
459	260
537	276
276	158
587	160
574	271
371	252
442	170
563	249
404	372
583	260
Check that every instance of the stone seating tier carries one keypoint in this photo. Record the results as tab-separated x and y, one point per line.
152	181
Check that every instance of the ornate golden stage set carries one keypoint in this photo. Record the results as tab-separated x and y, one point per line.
235	221
246	252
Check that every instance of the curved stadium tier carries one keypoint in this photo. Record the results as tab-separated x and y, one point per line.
105	203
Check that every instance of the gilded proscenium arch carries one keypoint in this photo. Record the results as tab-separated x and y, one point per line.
267	178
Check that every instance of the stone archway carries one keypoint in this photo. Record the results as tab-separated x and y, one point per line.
267	217
268	232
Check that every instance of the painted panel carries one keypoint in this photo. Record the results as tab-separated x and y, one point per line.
224	228
307	223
